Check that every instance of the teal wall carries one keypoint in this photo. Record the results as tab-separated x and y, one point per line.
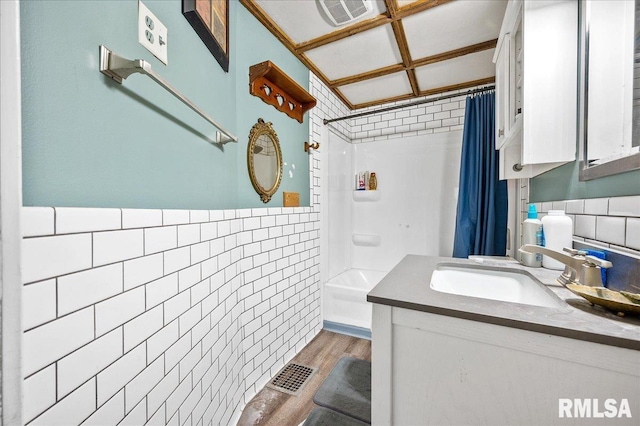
90	142
562	183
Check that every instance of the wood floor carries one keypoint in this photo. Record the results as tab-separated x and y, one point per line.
273	408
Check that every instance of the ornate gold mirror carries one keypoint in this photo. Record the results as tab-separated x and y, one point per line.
264	160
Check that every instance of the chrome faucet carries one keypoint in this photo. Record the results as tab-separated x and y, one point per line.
577	264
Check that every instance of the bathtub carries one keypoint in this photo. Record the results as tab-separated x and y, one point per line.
345	305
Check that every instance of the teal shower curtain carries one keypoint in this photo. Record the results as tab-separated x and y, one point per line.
481	218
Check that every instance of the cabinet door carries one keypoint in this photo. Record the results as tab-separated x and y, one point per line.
502	92
516	56
550	74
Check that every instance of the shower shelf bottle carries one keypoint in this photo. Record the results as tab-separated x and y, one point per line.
531	234
373	182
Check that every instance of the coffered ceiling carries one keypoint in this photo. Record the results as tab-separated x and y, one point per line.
403	49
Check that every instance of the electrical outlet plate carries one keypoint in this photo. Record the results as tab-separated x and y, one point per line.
152	33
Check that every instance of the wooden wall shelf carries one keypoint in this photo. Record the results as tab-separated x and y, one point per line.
273	86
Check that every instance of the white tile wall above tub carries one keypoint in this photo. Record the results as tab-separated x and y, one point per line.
38	303
50	342
596	206
115	246
73	409
611	229
141	218
38	221
39	392
633	233
624	206
48	257
82	289
71	220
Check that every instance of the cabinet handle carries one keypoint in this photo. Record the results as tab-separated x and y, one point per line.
500	132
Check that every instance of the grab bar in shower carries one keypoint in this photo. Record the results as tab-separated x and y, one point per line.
119	68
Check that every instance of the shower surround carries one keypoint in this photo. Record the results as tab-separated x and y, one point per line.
415	152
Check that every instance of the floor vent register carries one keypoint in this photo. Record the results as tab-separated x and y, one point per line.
292	378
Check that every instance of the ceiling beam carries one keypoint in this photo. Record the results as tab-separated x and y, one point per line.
479	47
429	92
415	64
368	24
361	26
367	75
403	46
418	6
458	86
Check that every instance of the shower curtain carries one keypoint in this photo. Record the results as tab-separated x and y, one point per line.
481	218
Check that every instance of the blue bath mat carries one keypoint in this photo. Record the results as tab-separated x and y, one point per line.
347	389
324	417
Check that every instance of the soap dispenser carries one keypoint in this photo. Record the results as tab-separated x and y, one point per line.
531	234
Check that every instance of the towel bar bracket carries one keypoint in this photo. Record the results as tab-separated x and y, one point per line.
119	68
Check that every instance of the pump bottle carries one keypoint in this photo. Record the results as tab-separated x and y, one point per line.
532	234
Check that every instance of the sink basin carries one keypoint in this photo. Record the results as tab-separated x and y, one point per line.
491	283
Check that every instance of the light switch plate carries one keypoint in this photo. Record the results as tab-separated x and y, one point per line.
152	33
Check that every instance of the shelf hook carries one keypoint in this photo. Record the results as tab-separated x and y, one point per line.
308	145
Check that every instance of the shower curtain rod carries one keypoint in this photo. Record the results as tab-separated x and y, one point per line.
420	102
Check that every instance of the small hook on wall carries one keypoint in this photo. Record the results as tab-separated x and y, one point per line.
308	145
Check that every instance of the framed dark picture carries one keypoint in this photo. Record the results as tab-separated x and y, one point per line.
210	20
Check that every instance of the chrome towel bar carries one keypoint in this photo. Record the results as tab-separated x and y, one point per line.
119	68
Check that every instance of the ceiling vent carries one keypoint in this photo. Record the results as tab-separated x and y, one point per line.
342	12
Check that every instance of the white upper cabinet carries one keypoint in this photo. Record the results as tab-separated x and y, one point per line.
536	87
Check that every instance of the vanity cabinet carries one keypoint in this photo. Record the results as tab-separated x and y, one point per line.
536	87
451	358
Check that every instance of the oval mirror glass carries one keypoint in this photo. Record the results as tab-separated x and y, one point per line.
264	160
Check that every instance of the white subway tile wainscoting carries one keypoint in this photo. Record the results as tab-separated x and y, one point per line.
163	316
